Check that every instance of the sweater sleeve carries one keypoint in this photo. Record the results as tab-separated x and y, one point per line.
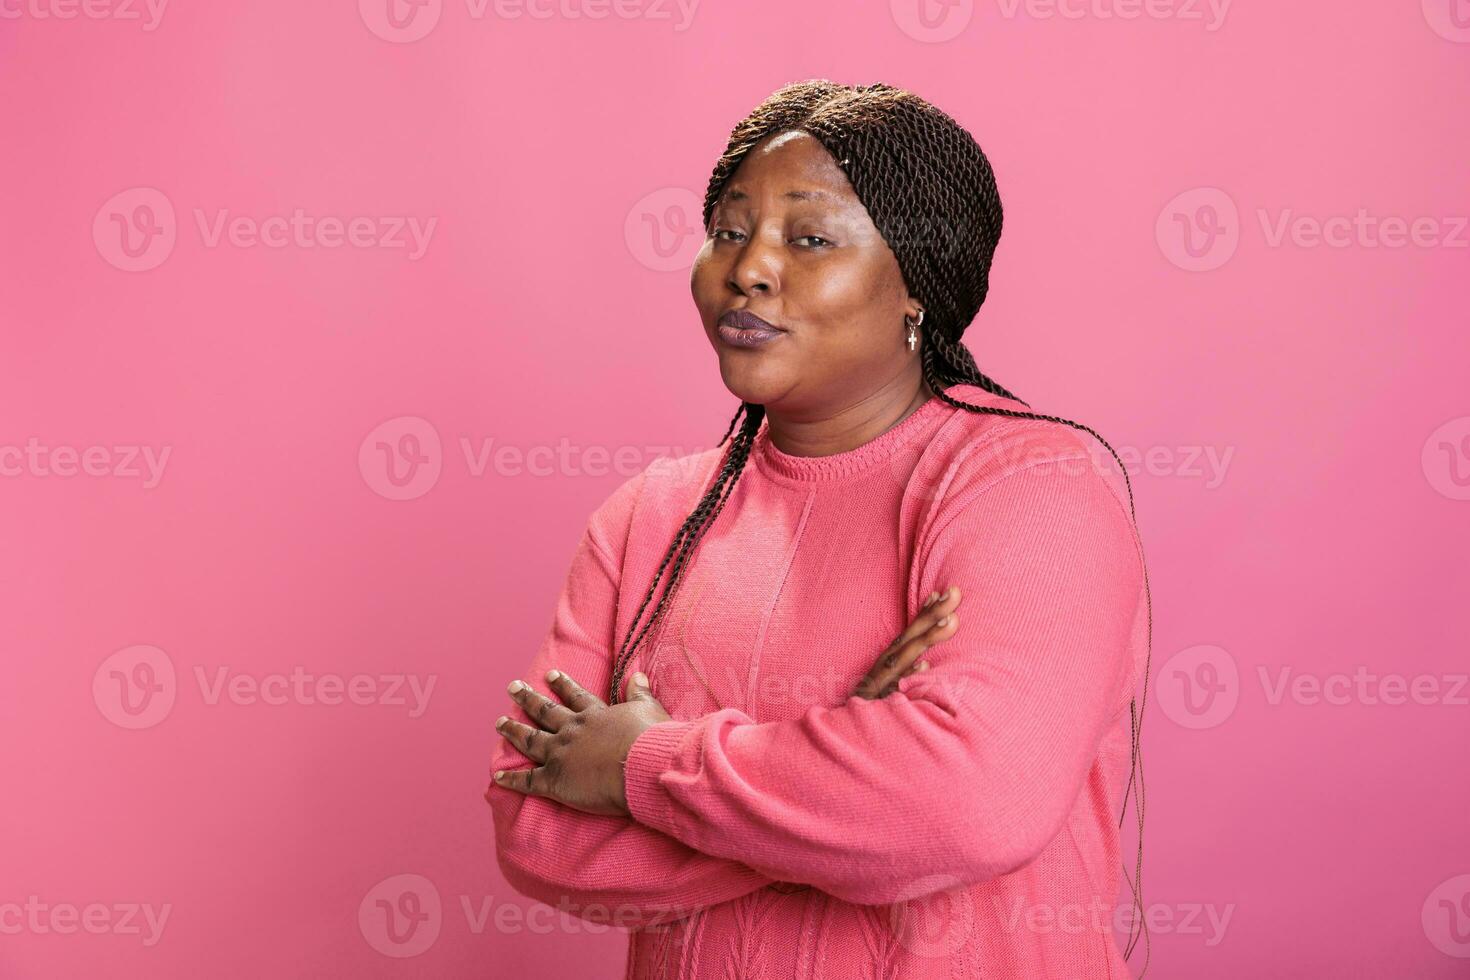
609	869
970	769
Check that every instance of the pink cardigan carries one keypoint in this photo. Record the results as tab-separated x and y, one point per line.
965	826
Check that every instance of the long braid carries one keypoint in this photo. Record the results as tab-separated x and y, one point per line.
947	364
907	161
939	372
689	534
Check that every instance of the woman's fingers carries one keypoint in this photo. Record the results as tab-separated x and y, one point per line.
532	742
929	628
939	606
893	667
539	744
528	781
934	623
572	694
547	713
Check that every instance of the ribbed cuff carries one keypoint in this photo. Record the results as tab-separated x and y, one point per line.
651	755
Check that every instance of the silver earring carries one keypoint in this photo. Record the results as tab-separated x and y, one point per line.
913	329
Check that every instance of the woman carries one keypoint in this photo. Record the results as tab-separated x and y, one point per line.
759	798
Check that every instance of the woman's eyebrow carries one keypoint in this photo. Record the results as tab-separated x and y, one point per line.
735	194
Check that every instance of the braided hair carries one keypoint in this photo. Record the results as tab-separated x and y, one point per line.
930	191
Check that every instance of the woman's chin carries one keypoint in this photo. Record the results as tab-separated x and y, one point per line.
750	381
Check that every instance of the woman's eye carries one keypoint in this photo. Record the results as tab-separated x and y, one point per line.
731	235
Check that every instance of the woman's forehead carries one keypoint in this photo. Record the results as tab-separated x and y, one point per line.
794	166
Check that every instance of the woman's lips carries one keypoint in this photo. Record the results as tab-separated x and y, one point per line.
737	337
741	328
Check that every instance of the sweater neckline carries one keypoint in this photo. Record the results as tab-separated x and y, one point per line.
839	465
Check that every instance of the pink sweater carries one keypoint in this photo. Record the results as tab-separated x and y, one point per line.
965	826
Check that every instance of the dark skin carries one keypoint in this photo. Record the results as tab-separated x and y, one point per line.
843	374
789	241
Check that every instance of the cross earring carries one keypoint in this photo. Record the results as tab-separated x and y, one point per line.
913	331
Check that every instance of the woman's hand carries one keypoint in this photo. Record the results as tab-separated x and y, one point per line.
580	744
935	622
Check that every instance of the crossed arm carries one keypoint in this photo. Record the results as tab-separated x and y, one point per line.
983	755
603	868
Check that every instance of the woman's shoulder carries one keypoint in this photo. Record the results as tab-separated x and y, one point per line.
664	490
972	451
1009	423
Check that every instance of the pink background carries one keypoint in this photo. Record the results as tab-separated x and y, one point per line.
545	315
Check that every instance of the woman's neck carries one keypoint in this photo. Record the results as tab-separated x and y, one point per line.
839	430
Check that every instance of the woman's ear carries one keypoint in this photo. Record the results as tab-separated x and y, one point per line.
912	308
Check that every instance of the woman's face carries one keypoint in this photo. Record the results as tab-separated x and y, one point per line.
790	242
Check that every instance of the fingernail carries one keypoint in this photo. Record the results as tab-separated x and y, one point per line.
500	722
552	675
948	592
499	775
943	622
930	601
514	686
923	665
639	679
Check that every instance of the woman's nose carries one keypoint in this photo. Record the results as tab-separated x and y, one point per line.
758	266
